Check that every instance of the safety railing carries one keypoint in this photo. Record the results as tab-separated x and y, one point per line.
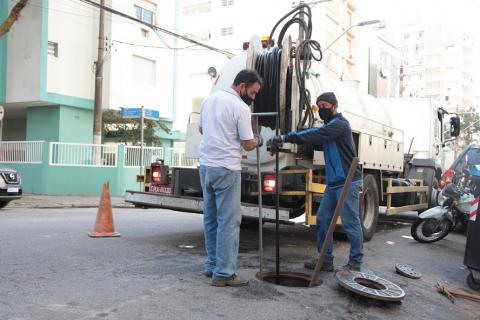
21	151
150	154
82	155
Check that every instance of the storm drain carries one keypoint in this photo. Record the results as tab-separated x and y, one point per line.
287	279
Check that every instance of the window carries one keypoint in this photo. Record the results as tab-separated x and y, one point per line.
53	48
144	14
226	31
144	70
197	8
226	3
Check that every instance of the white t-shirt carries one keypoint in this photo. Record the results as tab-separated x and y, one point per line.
225	120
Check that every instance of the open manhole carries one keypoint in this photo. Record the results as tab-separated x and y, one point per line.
287	279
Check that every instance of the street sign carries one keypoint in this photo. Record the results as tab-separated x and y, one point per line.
151	114
128	113
135	113
2	113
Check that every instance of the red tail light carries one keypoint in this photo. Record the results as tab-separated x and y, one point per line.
447	177
156	174
269	183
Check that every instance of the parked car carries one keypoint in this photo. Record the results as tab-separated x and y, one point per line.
10	186
469	156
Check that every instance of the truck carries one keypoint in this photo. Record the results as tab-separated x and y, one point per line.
392	177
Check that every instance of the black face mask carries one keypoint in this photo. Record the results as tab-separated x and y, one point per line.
246	99
325	114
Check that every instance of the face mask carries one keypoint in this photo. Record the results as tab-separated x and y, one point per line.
246	99
325	114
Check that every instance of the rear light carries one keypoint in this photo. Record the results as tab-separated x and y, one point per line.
447	177
156	174
269	183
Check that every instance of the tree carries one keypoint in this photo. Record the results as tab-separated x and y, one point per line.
120	130
470	126
12	17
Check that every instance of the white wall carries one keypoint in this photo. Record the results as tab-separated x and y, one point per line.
124	90
74	26
23	72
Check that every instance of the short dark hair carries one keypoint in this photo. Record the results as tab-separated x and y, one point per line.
247	76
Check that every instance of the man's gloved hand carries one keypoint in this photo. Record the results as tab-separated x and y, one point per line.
275	143
259	140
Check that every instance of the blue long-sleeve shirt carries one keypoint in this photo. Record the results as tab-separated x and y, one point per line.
338	147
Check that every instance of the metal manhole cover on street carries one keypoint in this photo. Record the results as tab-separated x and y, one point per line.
407	271
370	286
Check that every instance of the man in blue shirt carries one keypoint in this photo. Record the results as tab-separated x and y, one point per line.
339	150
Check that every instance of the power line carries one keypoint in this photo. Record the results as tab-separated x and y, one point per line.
159	47
173	34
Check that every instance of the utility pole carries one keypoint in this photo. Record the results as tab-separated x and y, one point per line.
97	108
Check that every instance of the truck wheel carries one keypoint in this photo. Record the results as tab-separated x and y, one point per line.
369	206
3	204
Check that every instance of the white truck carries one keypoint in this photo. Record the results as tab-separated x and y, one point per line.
390	178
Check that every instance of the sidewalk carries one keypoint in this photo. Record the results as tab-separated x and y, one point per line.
42	201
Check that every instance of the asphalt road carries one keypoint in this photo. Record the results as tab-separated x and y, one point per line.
50	269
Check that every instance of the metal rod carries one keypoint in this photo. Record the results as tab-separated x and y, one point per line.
260	213
277	205
331	228
259	185
264	114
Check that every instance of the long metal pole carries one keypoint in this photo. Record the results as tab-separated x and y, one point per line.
141	145
331	228
259	186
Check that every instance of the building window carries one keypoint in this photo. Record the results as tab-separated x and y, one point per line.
53	48
197	8
144	71
226	31
226	3
144	14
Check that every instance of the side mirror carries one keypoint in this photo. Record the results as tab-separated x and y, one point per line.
455	126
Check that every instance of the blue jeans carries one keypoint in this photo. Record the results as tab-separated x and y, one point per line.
350	221
221	219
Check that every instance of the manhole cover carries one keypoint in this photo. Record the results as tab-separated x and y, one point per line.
370	286
407	271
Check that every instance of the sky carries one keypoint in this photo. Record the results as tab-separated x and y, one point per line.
463	13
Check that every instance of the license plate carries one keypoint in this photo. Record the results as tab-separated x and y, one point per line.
163	189
12	190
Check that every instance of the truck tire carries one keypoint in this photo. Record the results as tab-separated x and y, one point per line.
3	204
369	206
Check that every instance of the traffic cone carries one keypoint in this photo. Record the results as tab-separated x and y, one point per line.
104	224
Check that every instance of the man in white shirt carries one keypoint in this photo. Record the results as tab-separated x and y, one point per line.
225	123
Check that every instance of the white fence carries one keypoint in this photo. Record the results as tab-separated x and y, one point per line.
90	155
150	154
82	155
21	151
178	158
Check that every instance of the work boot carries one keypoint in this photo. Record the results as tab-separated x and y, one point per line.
349	267
208	274
233	281
326	266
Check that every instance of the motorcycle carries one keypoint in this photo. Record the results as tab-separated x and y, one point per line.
436	223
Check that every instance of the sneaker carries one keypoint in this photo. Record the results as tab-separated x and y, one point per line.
349	267
312	263
233	281
208	274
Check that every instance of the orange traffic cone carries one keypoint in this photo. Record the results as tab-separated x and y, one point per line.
104	224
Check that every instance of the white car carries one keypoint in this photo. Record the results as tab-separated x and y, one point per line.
10	186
